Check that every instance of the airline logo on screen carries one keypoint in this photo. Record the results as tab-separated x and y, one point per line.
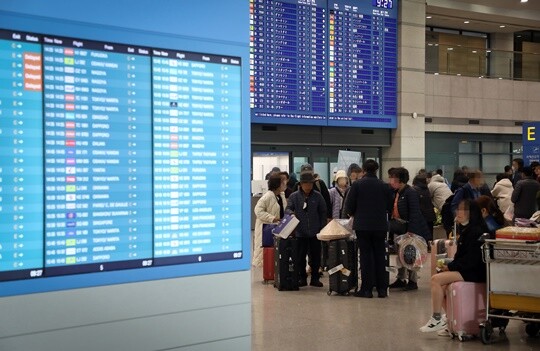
122	157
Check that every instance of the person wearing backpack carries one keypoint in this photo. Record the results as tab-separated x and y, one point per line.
469	191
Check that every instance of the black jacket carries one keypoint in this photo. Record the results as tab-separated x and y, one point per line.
321	187
409	210
370	202
313	218
468	259
426	206
524	198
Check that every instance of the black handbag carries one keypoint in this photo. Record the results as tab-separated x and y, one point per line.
398	226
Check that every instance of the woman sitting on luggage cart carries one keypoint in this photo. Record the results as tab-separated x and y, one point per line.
467	264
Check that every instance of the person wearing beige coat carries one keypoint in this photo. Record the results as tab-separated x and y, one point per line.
268	211
502	192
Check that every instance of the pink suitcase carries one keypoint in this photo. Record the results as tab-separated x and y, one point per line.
442	248
465	308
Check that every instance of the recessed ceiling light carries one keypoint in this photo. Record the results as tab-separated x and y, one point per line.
502	26
466	22
524	1
428	17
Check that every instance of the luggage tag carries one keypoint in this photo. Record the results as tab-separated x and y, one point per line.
336	269
345	272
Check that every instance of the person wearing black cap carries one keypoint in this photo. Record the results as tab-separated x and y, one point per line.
274	171
310	209
320	186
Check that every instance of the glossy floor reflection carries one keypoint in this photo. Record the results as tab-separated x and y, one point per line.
310	320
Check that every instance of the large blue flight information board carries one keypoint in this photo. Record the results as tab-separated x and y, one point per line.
324	62
21	156
196	159
116	156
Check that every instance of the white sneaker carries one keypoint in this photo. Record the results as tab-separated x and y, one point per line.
444	332
433	325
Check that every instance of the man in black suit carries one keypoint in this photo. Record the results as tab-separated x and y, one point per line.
369	202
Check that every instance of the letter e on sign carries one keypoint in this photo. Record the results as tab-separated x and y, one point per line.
531	132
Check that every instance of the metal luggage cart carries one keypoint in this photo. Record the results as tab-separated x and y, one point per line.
513	285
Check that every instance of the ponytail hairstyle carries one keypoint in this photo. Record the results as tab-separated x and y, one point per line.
492	209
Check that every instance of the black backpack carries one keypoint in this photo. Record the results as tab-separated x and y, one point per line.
447	214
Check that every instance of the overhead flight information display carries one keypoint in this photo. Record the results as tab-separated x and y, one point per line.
289	62
359	67
116	156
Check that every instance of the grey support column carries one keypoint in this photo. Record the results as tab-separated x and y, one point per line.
408	140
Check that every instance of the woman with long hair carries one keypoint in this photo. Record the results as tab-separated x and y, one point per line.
467	264
493	217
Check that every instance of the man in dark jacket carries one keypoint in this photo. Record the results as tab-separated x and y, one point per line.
426	206
470	191
319	185
310	209
524	195
369	202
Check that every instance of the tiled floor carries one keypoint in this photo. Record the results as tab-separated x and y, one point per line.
310	320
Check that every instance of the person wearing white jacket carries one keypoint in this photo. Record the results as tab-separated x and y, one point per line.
502	192
439	191
269	209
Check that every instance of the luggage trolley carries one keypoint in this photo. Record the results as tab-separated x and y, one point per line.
513	287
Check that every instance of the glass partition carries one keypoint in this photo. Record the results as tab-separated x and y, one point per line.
481	62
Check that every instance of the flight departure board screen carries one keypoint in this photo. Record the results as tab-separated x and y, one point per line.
350	57
116	156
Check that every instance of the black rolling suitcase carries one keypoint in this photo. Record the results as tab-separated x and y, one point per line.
285	267
342	259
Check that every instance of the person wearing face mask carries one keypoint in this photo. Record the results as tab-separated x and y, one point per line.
309	207
268	210
406	207
467	264
517	167
354	172
337	194
471	190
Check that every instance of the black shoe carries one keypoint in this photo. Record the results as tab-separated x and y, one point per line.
398	284
382	294
302	283
411	286
365	294
316	283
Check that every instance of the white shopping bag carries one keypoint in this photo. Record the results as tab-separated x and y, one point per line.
286	226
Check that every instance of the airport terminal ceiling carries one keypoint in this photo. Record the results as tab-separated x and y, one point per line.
484	15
